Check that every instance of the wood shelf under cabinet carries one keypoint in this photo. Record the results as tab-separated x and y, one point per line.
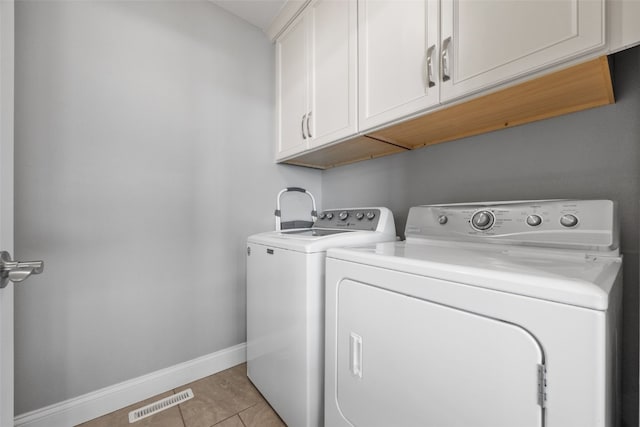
342	153
576	88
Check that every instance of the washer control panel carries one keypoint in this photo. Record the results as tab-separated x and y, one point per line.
350	219
553	223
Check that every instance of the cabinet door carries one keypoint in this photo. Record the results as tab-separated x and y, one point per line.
394	39
291	90
487	42
407	362
333	27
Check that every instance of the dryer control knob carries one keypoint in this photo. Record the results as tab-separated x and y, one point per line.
343	215
534	220
330	215
371	215
322	215
359	216
442	219
482	220
569	220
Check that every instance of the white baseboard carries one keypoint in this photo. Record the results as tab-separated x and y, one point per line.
100	402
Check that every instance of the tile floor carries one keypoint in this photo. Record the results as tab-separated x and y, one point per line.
226	399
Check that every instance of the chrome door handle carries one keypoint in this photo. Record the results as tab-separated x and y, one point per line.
308	129
302	127
17	271
446	72
430	82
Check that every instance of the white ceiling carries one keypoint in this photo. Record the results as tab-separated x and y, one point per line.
260	13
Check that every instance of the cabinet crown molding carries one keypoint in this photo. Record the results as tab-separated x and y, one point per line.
288	13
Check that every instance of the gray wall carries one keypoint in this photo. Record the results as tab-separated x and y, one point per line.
144	139
591	154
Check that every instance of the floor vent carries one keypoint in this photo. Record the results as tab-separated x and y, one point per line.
160	405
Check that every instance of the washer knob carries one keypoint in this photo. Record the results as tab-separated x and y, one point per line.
343	215
322	215
330	215
569	220
442	219
534	220
359	216
482	220
371	215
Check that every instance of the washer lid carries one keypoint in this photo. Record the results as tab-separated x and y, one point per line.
555	276
309	241
312	232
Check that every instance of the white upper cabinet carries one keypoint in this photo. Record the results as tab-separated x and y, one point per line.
291	89
486	42
397	44
351	67
334	57
316	60
415	54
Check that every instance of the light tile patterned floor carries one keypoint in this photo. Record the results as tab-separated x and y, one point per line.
226	399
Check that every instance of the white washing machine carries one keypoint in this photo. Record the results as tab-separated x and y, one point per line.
488	315
285	307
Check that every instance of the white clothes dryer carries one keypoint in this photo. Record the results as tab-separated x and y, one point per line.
488	315
285	306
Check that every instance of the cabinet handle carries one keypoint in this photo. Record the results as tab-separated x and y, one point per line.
430	82
308	129
446	72
302	127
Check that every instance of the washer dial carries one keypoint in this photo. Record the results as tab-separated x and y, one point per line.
343	215
483	220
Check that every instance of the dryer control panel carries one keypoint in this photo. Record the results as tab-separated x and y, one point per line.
579	224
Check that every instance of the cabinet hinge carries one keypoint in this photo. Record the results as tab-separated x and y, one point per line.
542	386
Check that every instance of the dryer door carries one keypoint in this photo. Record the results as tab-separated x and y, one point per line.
407	362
